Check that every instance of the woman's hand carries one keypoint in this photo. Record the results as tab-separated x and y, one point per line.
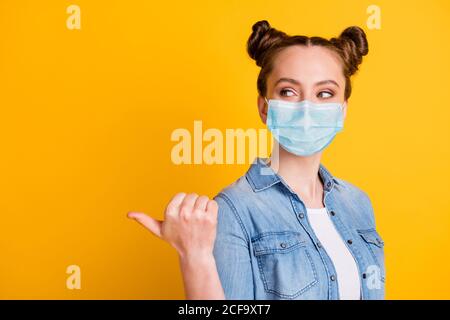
190	227
189	224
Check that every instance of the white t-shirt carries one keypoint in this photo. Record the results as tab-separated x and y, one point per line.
346	269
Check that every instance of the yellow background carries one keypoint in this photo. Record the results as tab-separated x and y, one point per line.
86	119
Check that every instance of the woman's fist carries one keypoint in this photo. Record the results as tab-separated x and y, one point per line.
189	223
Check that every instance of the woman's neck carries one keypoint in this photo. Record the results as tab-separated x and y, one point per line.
301	174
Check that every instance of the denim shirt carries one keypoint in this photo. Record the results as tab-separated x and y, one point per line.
265	247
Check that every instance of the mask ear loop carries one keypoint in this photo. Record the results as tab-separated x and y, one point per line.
269	159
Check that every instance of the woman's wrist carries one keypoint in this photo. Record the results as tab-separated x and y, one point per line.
196	257
200	277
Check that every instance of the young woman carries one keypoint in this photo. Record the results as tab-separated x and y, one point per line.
287	229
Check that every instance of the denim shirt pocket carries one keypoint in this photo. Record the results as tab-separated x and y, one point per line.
284	262
375	244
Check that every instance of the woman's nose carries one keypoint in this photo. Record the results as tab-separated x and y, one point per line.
302	98
307	96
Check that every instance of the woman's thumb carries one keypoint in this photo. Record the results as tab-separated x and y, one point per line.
148	222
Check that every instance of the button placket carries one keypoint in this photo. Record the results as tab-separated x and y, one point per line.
343	230
300	211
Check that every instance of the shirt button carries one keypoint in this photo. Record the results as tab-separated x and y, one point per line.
328	184
333	278
332	213
283	245
349	241
319	245
364	275
301	215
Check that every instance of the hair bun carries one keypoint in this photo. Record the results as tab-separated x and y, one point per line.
358	37
353	42
262	38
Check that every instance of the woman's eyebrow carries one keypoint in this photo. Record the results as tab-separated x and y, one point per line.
327	81
293	81
290	80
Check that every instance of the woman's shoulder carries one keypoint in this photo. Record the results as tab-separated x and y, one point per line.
352	194
350	188
235	192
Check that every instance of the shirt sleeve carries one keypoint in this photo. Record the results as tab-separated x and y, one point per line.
231	253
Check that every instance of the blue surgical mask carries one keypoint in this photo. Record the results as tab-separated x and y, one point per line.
304	128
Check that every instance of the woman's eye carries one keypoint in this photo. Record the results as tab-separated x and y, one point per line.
327	94
288	91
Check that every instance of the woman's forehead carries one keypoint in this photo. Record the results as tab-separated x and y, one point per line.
307	64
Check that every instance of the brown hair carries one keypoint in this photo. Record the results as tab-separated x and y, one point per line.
265	42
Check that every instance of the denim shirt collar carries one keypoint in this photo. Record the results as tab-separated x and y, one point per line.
261	176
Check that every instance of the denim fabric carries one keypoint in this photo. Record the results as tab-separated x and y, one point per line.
265	247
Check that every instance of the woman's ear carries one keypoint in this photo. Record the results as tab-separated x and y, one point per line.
262	108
